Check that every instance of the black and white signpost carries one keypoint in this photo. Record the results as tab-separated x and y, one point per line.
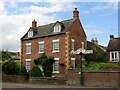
81	52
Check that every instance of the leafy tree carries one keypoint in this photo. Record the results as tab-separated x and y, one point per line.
35	72
10	67
97	56
5	55
47	64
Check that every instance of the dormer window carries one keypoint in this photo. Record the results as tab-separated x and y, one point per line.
57	28
30	34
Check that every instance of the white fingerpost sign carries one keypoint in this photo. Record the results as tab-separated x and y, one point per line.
83	51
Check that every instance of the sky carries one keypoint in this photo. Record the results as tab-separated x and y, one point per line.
99	19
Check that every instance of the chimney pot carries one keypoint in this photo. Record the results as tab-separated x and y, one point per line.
75	13
111	37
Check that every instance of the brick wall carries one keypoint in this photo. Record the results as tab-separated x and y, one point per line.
14	78
77	33
48	80
95	79
48	50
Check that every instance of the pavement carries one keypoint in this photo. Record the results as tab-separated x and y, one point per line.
28	85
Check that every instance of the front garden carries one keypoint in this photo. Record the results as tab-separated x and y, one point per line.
98	66
10	67
14	72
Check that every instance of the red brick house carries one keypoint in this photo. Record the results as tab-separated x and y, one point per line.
55	39
113	49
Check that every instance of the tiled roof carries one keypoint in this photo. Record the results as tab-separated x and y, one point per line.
48	30
114	45
91	46
15	55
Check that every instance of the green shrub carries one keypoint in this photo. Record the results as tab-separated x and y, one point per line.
35	72
10	67
103	66
47	64
48	67
5	55
23	72
99	67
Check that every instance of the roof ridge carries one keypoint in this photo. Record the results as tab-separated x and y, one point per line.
54	23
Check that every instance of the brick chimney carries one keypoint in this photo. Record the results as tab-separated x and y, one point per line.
75	13
96	41
111	37
34	23
93	41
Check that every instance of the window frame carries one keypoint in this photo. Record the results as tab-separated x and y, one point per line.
57	28
72	44
56	59
28	44
30	34
114	56
82	43
39	46
73	59
28	60
54	49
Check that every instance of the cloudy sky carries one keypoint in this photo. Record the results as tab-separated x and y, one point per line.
99	19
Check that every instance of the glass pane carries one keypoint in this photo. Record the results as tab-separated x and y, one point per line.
56	46
56	68
30	34
41	47
28	48
73	63
28	65
115	54
112	55
56	65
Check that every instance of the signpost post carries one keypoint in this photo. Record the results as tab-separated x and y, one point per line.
81	52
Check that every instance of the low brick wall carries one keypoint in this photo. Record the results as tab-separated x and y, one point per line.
73	78
97	79
14	78
48	80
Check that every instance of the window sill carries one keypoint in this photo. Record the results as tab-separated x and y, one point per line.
55	51
40	52
114	61
28	53
55	72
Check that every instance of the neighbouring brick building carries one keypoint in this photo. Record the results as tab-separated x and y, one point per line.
15	56
113	49
55	39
